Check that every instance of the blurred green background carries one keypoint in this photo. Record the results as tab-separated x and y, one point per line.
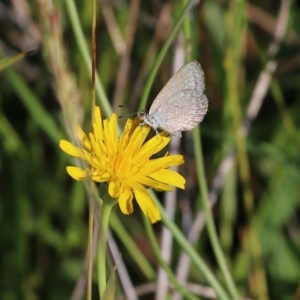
250	54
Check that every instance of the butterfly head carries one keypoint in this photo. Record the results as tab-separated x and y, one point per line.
143	114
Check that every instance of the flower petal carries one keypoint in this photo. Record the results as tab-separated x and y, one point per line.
126	135
153	146
147	205
77	173
101	177
154	183
99	157
138	137
97	116
71	149
125	201
169	177
98	126
114	188
110	134
85	142
162	163
133	184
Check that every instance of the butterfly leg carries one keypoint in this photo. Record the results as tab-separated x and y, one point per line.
176	133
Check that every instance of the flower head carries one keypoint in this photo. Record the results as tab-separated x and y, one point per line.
124	162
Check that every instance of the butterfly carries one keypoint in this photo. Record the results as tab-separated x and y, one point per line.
181	104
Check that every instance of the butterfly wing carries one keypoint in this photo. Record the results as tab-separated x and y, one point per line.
189	77
181	105
187	111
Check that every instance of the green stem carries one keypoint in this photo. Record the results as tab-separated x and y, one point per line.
209	218
198	263
177	285
84	51
90	242
163	52
138	257
106	208
187	34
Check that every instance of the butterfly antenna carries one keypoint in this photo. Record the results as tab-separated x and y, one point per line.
123	106
133	107
119	117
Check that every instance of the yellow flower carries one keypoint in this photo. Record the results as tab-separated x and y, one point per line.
125	162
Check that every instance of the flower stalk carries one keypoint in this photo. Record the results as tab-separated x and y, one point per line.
107	205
